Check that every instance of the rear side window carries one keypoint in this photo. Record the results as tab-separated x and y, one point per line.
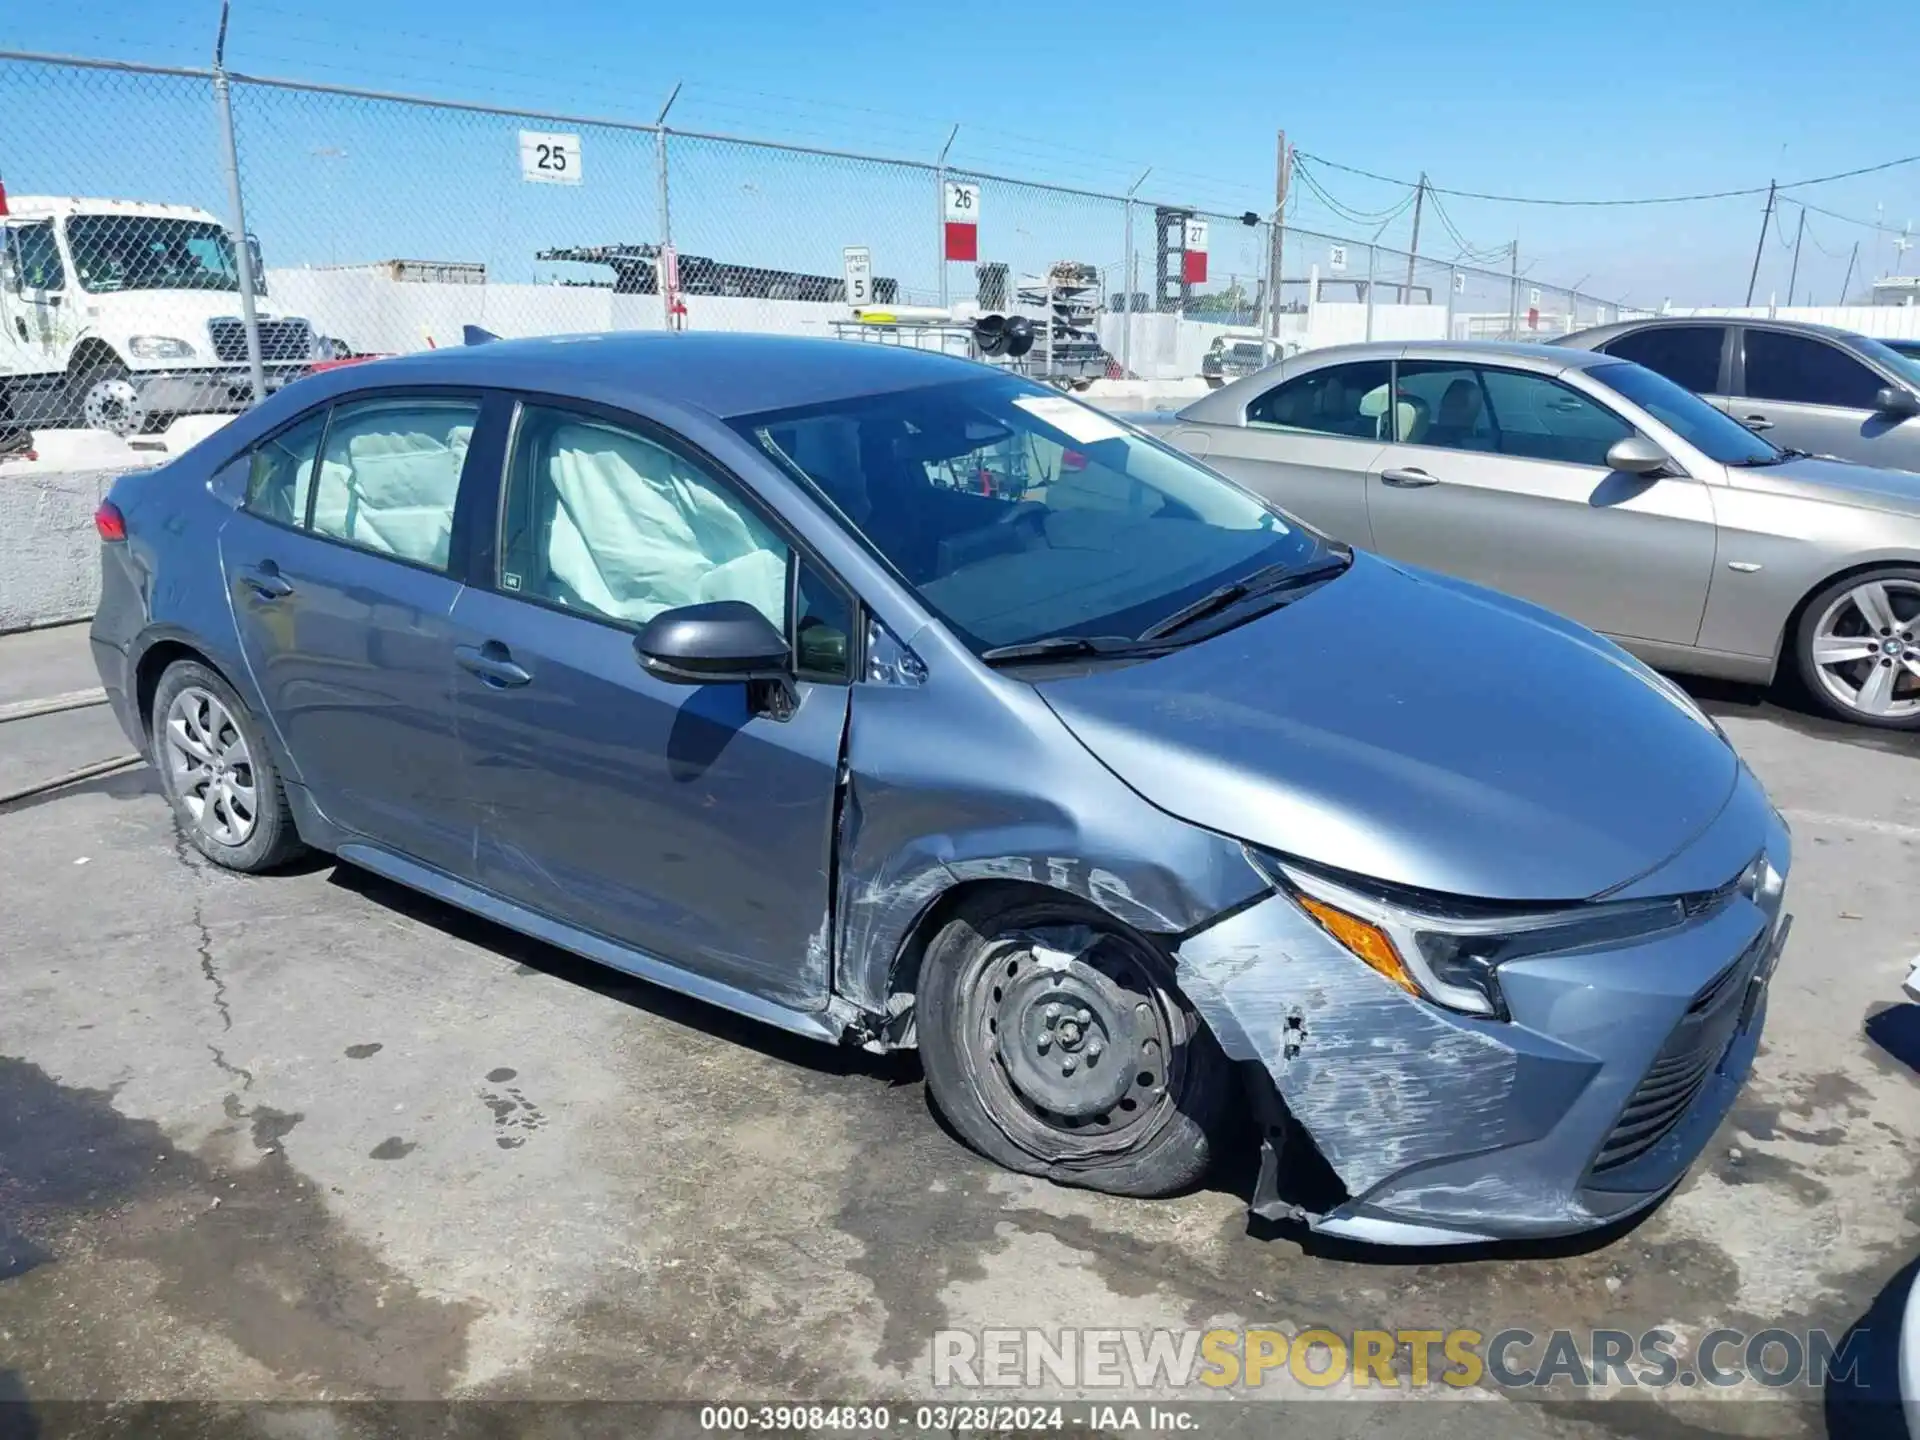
1348	400
1811	372
390	474
1688	355
280	471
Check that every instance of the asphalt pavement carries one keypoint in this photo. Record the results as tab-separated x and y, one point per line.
312	1137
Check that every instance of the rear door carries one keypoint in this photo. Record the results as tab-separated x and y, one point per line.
1808	393
1502	480
1309	444
340	567
692	823
1695	357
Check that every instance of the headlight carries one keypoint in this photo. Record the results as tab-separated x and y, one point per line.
159	347
1448	950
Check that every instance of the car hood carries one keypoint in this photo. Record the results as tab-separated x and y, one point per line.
1893	490
1418	730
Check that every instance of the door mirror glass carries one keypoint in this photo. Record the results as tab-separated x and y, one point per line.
1892	400
714	643
1636	455
9	270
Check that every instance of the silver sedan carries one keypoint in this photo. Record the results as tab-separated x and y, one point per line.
1601	490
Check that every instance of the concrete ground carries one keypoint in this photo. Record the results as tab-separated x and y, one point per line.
313	1137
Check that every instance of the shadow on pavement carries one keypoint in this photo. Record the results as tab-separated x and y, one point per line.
1868	1408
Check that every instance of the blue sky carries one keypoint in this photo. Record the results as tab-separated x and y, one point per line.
1634	99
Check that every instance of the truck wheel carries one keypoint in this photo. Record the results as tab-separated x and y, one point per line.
101	388
1055	1043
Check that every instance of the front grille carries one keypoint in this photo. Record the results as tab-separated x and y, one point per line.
1681	1068
280	340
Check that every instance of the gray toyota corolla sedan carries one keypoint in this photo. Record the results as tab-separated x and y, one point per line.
898	701
1599	489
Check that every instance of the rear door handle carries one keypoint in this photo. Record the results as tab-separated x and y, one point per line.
1409	479
266	581
493	663
1757	423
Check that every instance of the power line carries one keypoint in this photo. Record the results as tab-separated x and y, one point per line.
1638	200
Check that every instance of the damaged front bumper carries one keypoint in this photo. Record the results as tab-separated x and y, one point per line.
1586	1106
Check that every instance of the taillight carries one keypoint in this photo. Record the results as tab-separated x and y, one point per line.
108	520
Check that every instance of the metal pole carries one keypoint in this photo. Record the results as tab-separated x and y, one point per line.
1370	258
1276	242
1844	284
1413	256
940	212
666	213
1451	273
1130	277
1766	216
1793	275
1513	292
242	252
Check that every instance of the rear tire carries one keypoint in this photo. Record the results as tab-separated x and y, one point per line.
1055	1043
1858	648
217	772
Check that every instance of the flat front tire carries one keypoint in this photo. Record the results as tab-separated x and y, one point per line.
217	772
1055	1042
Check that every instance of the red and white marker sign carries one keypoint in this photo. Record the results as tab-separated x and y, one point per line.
1193	263
961	204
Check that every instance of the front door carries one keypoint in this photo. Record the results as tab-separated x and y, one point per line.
1503	481
692	823
1309	444
1800	391
33	294
338	569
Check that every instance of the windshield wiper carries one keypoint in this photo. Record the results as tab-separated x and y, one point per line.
1266	581
1066	647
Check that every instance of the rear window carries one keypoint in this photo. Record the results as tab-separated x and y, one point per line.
1688	355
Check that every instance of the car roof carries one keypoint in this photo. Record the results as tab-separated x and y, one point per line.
723	374
1600	334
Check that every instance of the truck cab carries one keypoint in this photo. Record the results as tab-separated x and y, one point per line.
121	314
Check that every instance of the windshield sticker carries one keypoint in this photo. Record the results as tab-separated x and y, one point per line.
1070	418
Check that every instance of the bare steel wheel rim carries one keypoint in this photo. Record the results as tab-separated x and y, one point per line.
1074	1045
113	405
211	767
1866	649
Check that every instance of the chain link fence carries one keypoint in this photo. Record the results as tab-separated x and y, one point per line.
376	224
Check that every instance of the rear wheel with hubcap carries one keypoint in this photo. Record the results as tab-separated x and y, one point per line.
1859	647
1055	1042
217	772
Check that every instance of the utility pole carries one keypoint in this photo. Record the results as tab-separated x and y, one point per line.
1513	292
1419	194
1847	283
1282	178
1766	218
1793	275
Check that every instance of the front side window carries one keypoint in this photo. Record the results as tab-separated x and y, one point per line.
1805	371
390	473
1688	355
1347	400
607	522
1711	431
1504	412
36	258
1018	515
152	252
280	471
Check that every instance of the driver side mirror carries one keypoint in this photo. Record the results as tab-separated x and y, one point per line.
9	269
1893	400
1636	455
717	643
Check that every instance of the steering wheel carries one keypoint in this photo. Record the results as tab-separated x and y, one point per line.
1023	511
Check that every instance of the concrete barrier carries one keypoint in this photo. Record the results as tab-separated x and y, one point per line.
49	551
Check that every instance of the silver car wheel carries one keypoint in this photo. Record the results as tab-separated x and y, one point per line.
1866	649
210	767
113	405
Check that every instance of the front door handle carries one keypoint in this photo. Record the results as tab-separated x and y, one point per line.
1409	479
266	581
1757	423
493	663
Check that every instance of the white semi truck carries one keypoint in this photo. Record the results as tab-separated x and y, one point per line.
121	314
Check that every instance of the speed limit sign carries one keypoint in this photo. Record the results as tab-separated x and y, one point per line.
859	272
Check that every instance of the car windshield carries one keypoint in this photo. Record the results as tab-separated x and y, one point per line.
1019	515
152	252
1903	362
1712	432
